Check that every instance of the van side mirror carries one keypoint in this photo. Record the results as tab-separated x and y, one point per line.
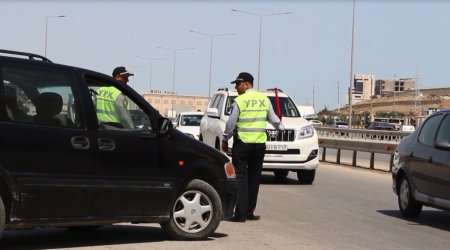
212	112
164	126
442	144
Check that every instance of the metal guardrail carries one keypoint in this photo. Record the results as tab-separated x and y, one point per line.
359	140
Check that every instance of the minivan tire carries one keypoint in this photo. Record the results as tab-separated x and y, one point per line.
306	176
2	217
409	207
200	205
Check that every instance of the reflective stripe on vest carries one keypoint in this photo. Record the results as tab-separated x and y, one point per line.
106	104
251	124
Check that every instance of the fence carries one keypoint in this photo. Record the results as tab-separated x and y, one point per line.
359	140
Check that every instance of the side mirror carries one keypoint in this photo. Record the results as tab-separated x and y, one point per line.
442	144
164	126
212	112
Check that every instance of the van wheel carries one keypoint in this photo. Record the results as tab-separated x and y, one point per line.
281	174
408	206
306	176
196	213
2	217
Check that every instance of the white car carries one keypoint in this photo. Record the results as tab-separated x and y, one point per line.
294	149
407	128
189	123
316	123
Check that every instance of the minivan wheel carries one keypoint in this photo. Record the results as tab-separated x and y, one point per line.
409	207
196	213
281	174
306	176
2	217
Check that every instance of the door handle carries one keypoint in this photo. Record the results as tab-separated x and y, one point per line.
106	144
80	142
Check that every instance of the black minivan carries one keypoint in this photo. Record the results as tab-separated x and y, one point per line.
61	166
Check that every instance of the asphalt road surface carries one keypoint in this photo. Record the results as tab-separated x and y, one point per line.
345	208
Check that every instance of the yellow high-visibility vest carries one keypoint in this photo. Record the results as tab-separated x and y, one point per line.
251	124
106	104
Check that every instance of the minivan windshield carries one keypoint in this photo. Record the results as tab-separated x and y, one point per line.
287	106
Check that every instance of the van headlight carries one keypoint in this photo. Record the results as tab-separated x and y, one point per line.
306	132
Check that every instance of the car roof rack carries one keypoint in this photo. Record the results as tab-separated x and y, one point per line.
273	89
29	55
222	89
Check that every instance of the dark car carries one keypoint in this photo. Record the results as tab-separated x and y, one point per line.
380	126
421	173
63	165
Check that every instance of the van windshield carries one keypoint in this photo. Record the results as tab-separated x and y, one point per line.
287	106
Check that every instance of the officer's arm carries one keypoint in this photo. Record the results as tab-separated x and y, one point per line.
273	118
231	123
125	117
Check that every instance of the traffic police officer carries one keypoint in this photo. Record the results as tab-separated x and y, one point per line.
111	105
247	124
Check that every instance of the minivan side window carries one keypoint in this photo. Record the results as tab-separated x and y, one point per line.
428	130
115	109
444	130
40	96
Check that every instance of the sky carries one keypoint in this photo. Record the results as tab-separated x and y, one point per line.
306	53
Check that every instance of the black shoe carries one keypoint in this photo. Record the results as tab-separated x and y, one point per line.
237	219
253	217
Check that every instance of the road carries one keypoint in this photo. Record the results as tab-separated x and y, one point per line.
345	208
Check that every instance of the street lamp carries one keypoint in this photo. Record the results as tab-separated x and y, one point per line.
260	31
151	60
211	53
174	66
351	70
46	31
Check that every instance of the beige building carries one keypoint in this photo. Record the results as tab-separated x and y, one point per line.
388	87
364	87
162	101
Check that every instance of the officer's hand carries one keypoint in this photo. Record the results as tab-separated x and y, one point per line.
225	146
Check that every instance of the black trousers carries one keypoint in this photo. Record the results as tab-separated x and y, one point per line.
248	160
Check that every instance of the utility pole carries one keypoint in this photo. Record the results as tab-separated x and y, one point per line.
339	104
350	91
314	106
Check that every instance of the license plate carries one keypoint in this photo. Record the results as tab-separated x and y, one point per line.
276	147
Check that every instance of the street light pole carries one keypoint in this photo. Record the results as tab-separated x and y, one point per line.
46	31
211	36
351	70
151	60
174	65
260	32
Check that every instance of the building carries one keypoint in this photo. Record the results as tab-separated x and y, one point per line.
363	87
162	101
388	87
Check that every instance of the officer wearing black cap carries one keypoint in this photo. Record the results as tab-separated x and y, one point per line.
251	111
111	104
121	74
